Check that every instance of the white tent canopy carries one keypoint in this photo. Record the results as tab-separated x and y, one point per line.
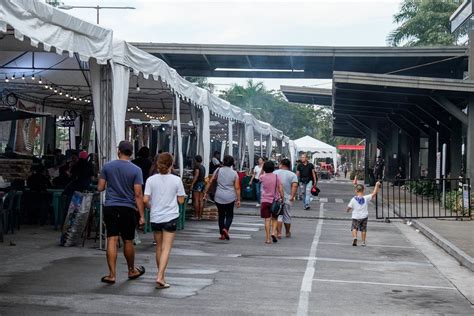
317	148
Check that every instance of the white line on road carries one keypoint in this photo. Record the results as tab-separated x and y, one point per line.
323	200
339	201
388	284
307	283
368	245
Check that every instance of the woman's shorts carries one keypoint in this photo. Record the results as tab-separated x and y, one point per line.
169	227
199	186
266	210
359	224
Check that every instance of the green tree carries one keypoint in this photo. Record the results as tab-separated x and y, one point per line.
201	82
295	120
424	23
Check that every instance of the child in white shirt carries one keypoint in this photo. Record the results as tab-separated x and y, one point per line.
360	214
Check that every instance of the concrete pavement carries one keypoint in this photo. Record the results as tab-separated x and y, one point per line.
316	272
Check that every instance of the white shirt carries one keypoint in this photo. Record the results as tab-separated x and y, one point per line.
163	190
360	208
257	170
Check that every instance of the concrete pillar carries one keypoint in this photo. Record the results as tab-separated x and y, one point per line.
432	139
415	159
373	142
470	140
455	150
366	161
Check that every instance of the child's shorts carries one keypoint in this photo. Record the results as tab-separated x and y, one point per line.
359	224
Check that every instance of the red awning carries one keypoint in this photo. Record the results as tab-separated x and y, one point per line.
351	147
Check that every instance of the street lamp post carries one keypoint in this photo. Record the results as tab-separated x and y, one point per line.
97	8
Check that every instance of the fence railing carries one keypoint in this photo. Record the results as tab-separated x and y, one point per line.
424	198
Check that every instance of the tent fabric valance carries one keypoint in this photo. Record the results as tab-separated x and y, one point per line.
8	113
42	23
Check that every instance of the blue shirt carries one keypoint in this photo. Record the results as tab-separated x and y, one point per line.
121	176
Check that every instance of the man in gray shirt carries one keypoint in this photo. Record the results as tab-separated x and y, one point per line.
123	182
289	180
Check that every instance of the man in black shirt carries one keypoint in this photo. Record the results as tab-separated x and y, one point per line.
307	178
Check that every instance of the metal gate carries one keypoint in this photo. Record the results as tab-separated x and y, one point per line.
424	198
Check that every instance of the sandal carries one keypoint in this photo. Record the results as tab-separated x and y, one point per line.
268	242
105	280
160	285
141	271
274	238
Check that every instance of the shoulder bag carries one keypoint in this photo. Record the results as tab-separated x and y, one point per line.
213	187
277	206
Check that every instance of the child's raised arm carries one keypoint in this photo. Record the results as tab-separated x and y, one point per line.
378	185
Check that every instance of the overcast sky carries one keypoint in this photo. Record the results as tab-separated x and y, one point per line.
262	22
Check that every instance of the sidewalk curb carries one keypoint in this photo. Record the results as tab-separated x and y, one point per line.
463	258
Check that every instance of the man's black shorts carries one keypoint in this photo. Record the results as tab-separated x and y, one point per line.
169	227
120	221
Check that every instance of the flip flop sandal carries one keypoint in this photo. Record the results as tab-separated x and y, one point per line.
274	239
268	242
160	286
141	270
105	280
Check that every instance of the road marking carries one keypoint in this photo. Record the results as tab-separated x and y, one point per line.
368	245
307	283
339	201
388	284
371	262
323	200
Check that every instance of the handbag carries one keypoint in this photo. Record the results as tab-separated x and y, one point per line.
277	206
213	186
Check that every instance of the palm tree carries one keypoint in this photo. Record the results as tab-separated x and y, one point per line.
424	23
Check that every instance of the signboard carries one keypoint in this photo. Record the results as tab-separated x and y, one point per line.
465	196
351	147
463	14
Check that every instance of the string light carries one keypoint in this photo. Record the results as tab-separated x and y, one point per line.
6	78
13	77
23	77
40	81
138	87
33	77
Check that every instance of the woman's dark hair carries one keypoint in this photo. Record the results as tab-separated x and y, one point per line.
144	152
165	161
286	162
268	167
198	159
228	161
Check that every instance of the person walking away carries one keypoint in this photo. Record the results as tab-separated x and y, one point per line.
227	195
163	192
307	178
123	182
198	186
257	171
143	162
360	214
271	190
289	181
345	171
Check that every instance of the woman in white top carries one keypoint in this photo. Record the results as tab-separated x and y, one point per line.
163	192
257	171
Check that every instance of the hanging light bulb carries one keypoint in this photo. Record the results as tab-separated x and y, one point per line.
40	81
67	95
51	87
33	77
13	77
46	86
80	99
60	93
6	78
55	90
138	87
23	77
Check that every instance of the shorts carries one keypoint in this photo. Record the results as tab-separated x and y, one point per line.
285	216
266	210
199	186
169	227
359	224
120	221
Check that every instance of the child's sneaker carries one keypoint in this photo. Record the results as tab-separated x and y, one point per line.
363	243
354	242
